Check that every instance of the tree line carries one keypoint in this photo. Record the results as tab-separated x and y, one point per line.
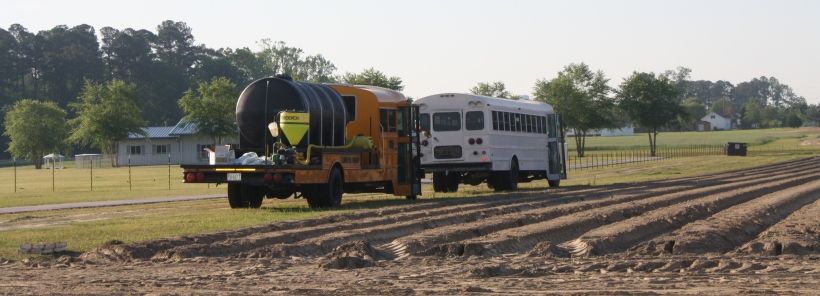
656	102
153	68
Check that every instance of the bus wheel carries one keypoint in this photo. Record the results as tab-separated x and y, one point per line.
452	182
440	182
554	183
252	196
235	195
506	180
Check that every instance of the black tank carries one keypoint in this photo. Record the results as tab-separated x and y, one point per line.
327	112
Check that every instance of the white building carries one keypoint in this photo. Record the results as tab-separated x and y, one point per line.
713	122
177	144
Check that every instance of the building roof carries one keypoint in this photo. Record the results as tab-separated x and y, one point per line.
708	116
182	128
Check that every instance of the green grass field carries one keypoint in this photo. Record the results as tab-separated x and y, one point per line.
782	136
34	187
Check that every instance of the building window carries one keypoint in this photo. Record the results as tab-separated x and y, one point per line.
161	149
135	150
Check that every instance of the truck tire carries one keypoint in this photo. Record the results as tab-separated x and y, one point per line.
328	194
554	183
252	196
235	195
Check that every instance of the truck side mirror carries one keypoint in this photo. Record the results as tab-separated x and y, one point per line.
274	129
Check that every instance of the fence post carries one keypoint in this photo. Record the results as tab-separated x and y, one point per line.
129	172
169	171
92	173
14	163
52	176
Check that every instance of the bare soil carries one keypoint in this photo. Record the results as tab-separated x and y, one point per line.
755	231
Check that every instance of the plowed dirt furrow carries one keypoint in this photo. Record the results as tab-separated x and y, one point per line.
426	242
568	227
798	234
731	228
622	235
389	231
443	214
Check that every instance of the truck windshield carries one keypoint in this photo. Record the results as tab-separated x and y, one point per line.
446	121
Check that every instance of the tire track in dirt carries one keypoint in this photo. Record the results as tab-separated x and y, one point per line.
797	234
620	236
567	227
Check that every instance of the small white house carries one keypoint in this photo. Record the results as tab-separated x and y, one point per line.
164	144
713	122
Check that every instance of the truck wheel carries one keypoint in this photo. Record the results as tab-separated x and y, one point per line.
328	194
252	196
235	195
440	182
554	183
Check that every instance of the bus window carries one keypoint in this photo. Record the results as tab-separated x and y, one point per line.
528	123
495	120
446	121
517	122
350	107
507	125
424	121
474	120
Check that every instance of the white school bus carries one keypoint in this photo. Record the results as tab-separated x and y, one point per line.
472	139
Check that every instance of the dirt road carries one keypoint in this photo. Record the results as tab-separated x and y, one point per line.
755	231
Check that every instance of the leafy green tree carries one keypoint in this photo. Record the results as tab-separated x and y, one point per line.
106	114
491	89
581	97
694	110
813	114
753	114
724	107
211	106
650	101
279	58
373	77
35	128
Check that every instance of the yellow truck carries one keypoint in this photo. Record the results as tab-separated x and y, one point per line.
317	141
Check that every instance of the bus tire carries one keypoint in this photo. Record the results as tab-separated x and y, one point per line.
452	182
440	182
252	196
506	180
554	183
235	195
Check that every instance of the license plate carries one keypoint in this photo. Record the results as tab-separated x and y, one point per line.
234	177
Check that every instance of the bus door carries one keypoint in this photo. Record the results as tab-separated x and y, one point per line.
408	179
556	155
446	136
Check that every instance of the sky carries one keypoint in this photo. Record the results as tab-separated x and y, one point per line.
449	46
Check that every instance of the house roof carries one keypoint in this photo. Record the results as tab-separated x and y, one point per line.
182	128
708	116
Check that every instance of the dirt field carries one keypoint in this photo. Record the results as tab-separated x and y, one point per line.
750	232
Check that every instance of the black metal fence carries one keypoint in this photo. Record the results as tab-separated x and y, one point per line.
601	157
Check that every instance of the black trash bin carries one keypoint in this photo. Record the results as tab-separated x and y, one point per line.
736	149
